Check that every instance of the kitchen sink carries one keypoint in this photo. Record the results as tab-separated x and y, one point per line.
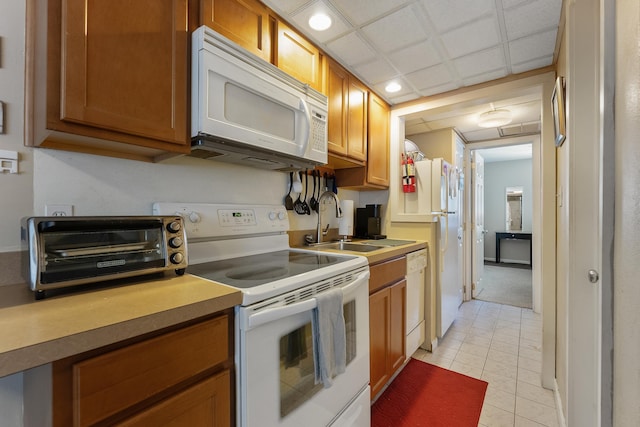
349	246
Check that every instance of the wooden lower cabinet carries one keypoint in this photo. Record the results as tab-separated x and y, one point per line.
387	308
204	404
180	377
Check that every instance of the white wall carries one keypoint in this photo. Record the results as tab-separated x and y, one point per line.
626	320
497	177
16	195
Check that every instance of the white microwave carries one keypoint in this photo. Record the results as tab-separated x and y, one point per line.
247	111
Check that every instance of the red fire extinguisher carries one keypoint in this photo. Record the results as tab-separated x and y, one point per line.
408	175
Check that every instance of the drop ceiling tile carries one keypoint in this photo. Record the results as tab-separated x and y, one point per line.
480	62
532	47
506	4
406	88
430	77
301	20
376	71
439	89
482	135
285	7
415	129
351	49
485	77
532	17
448	14
362	11
532	65
471	38
396	30
415	57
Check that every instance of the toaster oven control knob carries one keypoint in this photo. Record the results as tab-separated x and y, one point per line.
174	226
175	242
194	217
177	258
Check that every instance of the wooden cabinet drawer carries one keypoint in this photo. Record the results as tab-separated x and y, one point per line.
107	384
387	272
204	404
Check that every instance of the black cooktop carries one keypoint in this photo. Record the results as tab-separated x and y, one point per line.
255	270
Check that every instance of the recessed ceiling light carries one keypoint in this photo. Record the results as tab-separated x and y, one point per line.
393	87
320	21
494	118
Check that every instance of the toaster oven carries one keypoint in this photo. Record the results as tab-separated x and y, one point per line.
67	251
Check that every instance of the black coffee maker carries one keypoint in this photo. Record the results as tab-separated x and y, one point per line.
369	222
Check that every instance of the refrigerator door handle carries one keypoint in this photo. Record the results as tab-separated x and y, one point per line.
446	222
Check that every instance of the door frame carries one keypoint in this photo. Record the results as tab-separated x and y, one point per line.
544	248
534	140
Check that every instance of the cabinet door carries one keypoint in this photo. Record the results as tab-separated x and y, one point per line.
397	325
124	66
378	142
357	120
246	22
297	57
207	403
337	86
379	322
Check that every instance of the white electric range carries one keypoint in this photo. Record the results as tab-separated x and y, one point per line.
247	247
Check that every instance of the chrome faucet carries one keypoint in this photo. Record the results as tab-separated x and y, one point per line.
321	231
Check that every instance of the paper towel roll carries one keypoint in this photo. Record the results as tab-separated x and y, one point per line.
345	228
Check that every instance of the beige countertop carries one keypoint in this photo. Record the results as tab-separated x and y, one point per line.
378	255
33	333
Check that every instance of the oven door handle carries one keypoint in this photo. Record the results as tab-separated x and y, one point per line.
271	314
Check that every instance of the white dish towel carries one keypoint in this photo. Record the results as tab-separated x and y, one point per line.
329	337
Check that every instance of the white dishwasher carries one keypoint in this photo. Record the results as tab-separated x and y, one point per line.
415	320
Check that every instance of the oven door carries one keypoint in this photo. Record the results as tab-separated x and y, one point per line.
276	368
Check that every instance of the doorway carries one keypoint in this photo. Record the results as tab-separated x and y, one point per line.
501	218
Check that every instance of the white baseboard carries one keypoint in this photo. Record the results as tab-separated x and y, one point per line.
559	409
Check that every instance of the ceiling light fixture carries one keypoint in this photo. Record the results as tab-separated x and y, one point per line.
494	118
320	21
393	87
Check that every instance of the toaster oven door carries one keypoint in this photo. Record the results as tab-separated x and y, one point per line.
68	252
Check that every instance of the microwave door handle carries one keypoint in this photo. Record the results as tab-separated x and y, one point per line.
307	131
272	314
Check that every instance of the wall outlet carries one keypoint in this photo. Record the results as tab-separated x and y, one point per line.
58	210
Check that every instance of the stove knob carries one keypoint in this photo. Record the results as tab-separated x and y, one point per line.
272	216
281	215
175	242
194	217
174	226
177	258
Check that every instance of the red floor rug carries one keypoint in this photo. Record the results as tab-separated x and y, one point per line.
427	395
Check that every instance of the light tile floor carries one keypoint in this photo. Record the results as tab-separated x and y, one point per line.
502	345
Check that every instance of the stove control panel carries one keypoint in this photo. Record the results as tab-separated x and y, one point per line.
211	221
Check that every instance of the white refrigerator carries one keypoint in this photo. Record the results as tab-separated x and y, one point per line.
439	188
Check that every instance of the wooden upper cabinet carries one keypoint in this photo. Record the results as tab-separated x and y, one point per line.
378	142
374	175
297	57
246	22
336	89
124	67
357	120
347	119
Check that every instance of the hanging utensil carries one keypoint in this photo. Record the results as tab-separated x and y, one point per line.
313	203
297	184
297	205
307	209
288	201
